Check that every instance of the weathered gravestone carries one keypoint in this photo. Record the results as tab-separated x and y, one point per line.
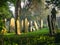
26	25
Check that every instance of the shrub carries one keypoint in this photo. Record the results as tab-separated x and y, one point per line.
3	31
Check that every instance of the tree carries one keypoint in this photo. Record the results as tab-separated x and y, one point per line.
4	13
52	25
34	9
38	8
17	16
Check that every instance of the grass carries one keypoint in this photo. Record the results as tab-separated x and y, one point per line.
34	33
44	32
39	37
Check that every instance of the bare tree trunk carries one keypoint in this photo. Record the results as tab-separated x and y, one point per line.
53	21
54	25
17	16
50	25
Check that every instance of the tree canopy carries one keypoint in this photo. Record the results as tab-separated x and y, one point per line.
55	2
4	12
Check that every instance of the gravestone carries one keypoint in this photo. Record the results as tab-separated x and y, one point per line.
12	25
41	23
22	25
26	25
18	27
36	26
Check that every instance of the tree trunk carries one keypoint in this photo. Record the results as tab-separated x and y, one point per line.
53	21
49	24
54	25
17	16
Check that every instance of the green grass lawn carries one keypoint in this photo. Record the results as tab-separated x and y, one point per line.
41	31
39	37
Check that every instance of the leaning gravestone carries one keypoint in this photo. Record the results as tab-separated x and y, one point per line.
36	26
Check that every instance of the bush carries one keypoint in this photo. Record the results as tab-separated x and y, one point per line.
32	38
19	40
3	31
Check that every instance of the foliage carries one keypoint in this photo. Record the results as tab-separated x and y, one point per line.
1	23
3	31
4	8
55	2
4	13
12	2
3	2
